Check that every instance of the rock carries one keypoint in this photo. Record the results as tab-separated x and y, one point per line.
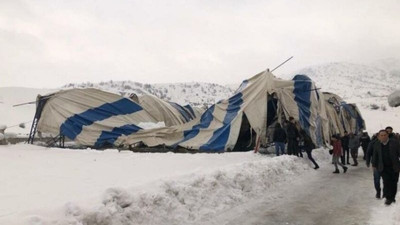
394	99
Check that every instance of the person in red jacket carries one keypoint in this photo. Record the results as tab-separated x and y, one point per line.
337	153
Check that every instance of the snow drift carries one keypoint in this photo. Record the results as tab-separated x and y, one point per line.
191	199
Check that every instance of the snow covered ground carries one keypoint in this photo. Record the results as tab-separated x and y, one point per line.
41	186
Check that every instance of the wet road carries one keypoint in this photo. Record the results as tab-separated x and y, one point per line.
319	197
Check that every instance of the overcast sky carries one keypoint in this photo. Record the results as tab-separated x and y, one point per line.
49	43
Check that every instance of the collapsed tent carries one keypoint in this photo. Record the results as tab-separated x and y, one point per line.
92	117
342	116
245	117
168	112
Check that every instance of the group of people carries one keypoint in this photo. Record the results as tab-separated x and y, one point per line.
382	151
296	140
348	145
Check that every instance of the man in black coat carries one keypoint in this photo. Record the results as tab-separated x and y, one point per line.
385	159
293	138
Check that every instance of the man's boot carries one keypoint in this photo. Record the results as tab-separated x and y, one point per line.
378	194
389	201
336	171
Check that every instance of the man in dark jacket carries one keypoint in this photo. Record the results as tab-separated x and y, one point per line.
377	176
390	131
392	135
345	146
279	139
385	159
293	138
364	140
354	144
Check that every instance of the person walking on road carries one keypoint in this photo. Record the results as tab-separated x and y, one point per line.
354	144
376	174
385	159
345	146
337	152
308	147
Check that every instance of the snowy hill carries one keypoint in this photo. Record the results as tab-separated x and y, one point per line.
193	93
354	82
366	85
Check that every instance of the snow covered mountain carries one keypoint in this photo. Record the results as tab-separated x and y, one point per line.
361	84
193	93
366	85
354	82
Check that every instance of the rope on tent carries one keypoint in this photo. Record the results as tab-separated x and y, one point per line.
257	144
33	102
21	125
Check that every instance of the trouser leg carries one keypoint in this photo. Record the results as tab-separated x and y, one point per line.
309	155
377	180
277	147
347	151
354	155
390	179
343	158
292	147
283	148
336	162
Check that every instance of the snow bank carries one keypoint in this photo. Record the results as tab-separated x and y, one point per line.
190	199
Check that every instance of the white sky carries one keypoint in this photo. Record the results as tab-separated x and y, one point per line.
48	43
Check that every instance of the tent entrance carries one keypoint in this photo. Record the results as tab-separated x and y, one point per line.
247	137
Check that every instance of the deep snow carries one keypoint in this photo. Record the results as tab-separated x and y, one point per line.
41	186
